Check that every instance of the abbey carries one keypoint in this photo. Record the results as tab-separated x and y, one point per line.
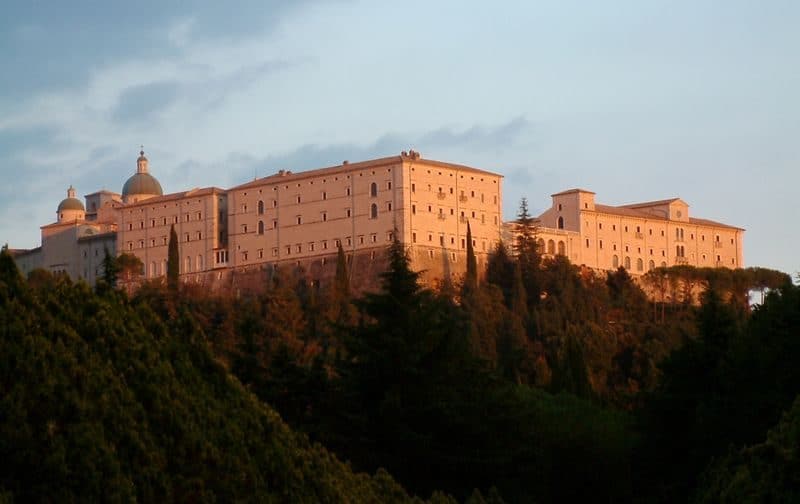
290	218
300	219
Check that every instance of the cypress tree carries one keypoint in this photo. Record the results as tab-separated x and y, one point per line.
110	269
173	260
341	283
471	280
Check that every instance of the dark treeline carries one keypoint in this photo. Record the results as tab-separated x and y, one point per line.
534	381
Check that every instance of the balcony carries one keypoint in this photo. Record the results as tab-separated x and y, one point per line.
681	260
639	236
462	198
441	195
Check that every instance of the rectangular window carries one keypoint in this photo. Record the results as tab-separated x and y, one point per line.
389	206
199	216
299	219
413	237
348	212
413	209
311	246
361	240
413	188
324	244
324	216
349	241
261	253
187	237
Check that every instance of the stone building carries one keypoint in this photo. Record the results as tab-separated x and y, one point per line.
638	237
296	219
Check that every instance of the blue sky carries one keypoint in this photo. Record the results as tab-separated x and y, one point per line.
633	100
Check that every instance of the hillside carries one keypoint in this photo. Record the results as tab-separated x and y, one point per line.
104	401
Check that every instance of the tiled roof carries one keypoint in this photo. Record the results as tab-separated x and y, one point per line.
360	165
177	196
570	191
652	203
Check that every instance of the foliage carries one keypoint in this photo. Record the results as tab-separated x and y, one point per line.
106	401
173	260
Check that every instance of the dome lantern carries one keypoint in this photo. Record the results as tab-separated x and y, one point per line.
70	208
141	185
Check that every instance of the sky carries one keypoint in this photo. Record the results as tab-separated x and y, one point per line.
634	100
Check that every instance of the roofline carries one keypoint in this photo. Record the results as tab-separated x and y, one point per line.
654	203
570	191
347	166
644	216
96	236
102	191
174	196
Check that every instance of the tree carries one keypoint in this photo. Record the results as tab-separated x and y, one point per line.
110	269
528	253
341	282
471	280
173	260
130	267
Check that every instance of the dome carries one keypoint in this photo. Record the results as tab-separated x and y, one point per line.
142	183
71	204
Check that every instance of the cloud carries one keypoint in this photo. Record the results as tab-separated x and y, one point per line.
141	103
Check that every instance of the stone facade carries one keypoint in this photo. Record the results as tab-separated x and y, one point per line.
296	219
639	236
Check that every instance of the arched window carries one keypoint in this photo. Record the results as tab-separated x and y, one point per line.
562	250
639	265
153	270
373	211
187	266
663	264
551	247
627	263
199	262
164	267
615	261
560	224
651	265
260	207
260	227
373	189
540	245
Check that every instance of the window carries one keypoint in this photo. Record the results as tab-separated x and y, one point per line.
324	195
562	250
349	241
374	238
587	242
348	212
187	237
274	251
627	262
199	216
299	248
325	244
261	227
187	265
413	188
639	265
551	247
274	203
560	223
244	228
413	209
559	207
260	208
413	237
615	261
324	216
299	219
651	265
199	262
348	191
275	224
373	189
389	206
600	244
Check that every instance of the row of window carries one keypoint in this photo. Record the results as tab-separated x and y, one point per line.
679	232
299	248
173	220
260	207
452	241
187	237
442	194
